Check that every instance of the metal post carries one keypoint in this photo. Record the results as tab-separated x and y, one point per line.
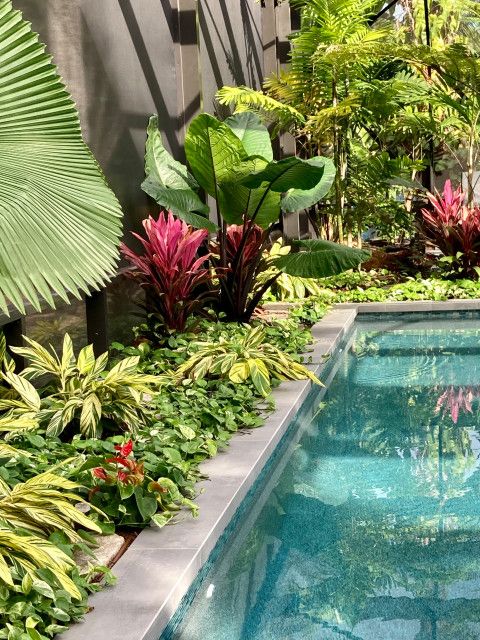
97	322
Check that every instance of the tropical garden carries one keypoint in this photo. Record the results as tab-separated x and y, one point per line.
384	109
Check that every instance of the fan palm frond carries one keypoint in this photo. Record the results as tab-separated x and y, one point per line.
60	223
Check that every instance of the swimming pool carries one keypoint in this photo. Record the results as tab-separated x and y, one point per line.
367	526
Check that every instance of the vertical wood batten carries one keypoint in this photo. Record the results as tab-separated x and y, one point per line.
188	65
97	321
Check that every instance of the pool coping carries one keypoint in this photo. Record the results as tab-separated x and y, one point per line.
411	306
140	606
159	567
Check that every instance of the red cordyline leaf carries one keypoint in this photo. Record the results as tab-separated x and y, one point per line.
252	246
98	472
170	267
125	449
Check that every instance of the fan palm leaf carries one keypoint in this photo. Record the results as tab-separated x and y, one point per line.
60	223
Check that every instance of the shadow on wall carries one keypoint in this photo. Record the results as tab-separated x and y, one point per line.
230	46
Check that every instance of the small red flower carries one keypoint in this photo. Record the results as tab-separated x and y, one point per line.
122	476
118	460
98	472
125	449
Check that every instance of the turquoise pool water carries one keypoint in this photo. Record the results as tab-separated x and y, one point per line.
368	527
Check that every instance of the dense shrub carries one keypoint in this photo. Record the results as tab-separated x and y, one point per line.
454	228
176	279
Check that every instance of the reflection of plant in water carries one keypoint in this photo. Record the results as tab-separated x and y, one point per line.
455	400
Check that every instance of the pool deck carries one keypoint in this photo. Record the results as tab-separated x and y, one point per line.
158	569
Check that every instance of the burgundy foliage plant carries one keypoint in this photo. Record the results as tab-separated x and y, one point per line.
454	228
238	258
177	280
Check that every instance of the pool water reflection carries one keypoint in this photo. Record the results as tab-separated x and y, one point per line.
371	530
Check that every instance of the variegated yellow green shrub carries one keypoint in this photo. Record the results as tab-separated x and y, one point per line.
244	358
82	393
29	513
287	287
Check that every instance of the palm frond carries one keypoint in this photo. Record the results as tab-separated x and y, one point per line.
60	223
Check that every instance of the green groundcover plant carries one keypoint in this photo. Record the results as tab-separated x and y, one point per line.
129	478
250	358
371	287
82	394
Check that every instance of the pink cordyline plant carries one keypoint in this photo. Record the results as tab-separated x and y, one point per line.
176	280
454	401
454	228
239	260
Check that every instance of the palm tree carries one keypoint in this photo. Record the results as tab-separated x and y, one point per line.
60	223
335	57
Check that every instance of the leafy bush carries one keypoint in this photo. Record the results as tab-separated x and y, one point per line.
175	278
286	287
233	162
313	308
250	358
40	587
81	395
454	228
70	244
125	492
148	479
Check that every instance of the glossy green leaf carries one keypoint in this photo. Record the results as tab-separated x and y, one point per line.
238	200
184	203
290	173
212	151
147	505
255	137
60	223
320	259
298	199
160	166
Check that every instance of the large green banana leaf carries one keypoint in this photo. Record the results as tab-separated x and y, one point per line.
298	199
212	151
254	136
59	222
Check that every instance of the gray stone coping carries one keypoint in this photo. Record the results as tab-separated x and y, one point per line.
159	567
410	306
